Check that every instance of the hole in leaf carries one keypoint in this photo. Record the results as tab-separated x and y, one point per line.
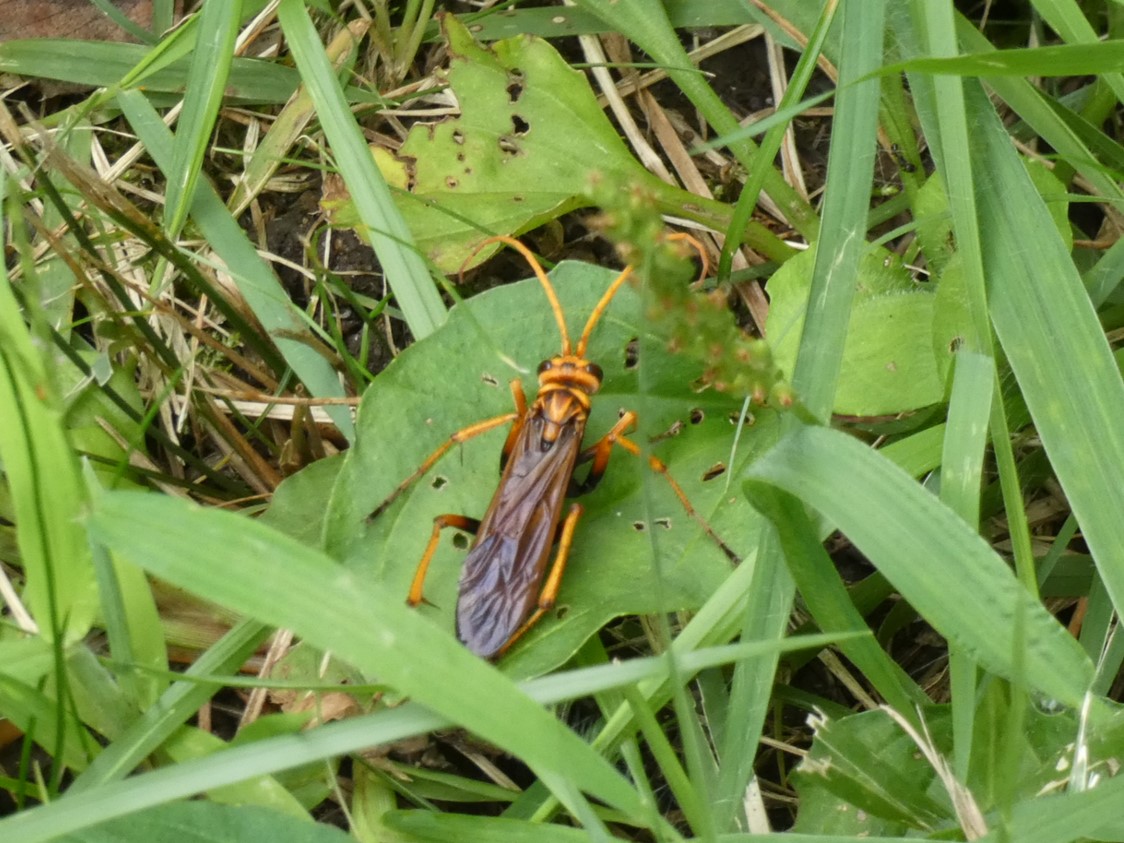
508	145
460	541
519	125
664	522
675	429
632	353
697	415
515	84
451	183
458	137
639	526
439	482
716	470
489	379
411	164
560	612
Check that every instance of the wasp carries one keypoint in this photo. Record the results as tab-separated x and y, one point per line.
507	582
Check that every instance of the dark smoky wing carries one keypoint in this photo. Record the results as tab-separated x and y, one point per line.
489	612
503	573
501	580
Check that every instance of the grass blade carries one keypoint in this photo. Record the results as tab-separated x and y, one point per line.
405	270
1036	293
206	83
964	589
282	582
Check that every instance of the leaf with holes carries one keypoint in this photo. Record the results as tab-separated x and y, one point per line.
522	152
636	550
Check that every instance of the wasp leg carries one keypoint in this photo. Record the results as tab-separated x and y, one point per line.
549	593
463	435
599	453
460	522
520	400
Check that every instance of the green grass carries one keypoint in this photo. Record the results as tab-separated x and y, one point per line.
192	437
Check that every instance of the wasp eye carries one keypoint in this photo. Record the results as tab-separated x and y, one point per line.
545	366
595	370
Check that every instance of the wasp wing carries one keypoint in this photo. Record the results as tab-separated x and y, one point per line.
503	573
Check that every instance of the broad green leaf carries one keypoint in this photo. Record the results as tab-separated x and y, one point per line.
99	701
889	363
460	377
934	223
944	569
26	660
822	810
289	508
529	138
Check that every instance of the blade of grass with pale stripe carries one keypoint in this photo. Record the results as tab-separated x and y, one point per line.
405	269
1054	342
206	82
935	561
843	240
41	472
250	568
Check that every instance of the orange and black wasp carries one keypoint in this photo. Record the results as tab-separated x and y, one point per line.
506	583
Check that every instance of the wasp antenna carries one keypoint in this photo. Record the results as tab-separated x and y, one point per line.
548	288
601	305
620	279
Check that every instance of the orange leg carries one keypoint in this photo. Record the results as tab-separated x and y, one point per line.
599	453
461	522
463	435
549	593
